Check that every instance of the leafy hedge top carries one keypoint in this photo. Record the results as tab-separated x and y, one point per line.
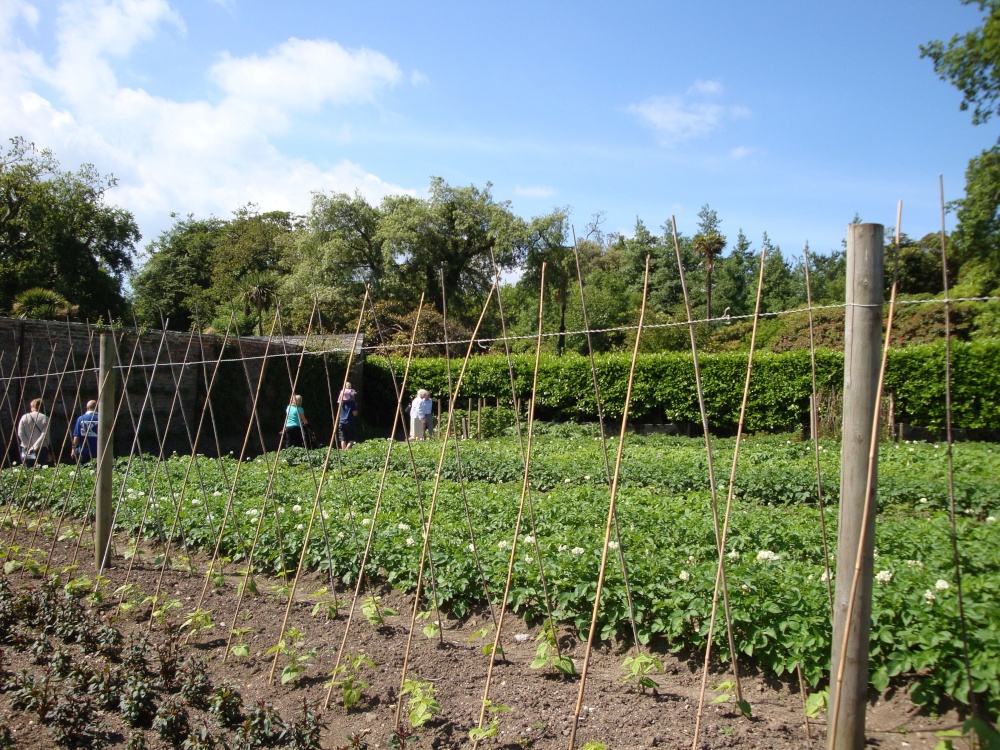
665	389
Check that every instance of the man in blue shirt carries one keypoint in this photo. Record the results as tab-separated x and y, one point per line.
85	434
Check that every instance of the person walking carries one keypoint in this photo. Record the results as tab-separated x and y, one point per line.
295	423
85	434
33	435
419	412
346	431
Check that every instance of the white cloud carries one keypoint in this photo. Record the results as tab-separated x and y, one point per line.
675	119
706	87
418	78
195	156
304	75
741	152
534	191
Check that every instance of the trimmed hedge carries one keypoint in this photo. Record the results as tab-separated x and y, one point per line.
665	390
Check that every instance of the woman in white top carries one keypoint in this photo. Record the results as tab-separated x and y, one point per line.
418	420
33	434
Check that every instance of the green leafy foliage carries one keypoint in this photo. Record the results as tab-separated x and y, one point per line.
547	654
347	678
422	705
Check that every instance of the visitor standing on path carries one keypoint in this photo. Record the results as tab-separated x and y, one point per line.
346	430
295	423
85	434
33	434
419	412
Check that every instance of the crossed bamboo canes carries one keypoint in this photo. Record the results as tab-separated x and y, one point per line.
425	548
378	504
611	513
525	493
720	570
604	441
317	502
719	541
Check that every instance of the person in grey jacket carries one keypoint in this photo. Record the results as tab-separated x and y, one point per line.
33	435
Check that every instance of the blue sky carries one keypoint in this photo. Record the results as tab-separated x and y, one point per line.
785	117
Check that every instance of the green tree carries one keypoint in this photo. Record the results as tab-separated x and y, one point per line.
971	62
337	253
175	280
736	283
57	232
709	243
549	243
457	229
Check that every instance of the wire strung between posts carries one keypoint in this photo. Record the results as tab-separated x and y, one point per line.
725	521
604	441
317	502
525	492
956	556
400	391
458	462
837	686
428	526
719	540
482	342
606	540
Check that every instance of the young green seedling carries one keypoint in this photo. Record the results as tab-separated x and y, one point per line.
346	678
374	612
547	655
637	670
422	705
240	649
291	648
495	709
727	697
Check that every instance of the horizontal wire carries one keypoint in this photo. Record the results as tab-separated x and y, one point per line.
500	339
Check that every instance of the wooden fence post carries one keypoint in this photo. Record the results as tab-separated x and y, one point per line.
862	350
105	449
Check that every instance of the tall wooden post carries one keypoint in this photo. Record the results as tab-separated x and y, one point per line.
105	449
862	348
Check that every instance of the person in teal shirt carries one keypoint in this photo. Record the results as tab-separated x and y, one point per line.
295	423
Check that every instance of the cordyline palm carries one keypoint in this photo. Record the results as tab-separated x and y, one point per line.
42	303
258	290
710	245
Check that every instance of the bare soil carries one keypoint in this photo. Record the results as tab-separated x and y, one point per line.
541	704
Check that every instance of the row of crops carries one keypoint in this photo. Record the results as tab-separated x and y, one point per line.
777	575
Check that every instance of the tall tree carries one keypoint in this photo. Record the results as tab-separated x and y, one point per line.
549	243
175	281
735	278
457	229
971	62
709	243
57	232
